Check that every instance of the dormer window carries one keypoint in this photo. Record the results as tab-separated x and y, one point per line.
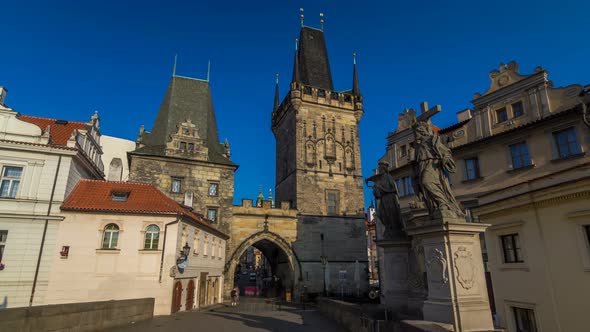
517	109
191	147
403	151
119	196
183	146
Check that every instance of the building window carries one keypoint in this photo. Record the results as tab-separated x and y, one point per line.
110	237
10	181
519	153
176	185
152	237
333	201
403	151
502	115
511	248
524	320
213	187
212	215
191	147
404	186
183	146
471	169
566	142
3	236
517	109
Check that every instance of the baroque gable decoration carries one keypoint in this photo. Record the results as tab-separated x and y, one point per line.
464	265
186	142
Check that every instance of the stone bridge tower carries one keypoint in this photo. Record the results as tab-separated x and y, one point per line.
318	169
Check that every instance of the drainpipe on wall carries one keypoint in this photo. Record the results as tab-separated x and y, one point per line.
164	245
44	233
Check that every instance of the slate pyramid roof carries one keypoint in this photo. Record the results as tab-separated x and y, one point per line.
185	99
313	66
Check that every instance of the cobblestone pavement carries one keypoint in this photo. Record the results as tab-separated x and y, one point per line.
251	315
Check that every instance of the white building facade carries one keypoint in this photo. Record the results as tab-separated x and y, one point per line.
41	160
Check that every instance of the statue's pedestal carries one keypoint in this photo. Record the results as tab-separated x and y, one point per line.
457	292
394	273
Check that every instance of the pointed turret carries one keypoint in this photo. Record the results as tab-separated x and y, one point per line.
296	78
276	103
356	90
260	198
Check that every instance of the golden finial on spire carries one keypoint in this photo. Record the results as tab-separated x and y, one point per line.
296	43
322	21
301	16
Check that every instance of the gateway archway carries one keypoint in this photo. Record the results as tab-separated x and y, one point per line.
284	266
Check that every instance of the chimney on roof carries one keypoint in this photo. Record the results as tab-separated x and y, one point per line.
3	92
464	115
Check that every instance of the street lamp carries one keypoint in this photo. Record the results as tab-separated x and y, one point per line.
186	250
324	261
182	261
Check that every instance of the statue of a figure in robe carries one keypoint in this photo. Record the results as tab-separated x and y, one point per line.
433	163
388	209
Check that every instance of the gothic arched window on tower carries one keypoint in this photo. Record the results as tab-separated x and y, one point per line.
349	157
330	148
310	154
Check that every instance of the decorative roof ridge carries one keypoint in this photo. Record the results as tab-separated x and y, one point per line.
119	182
50	119
191	78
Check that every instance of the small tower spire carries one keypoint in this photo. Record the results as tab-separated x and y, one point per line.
356	90
174	68
260	198
208	70
322	21
271	199
276	103
296	64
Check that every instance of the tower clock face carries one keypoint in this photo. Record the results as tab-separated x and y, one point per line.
213	189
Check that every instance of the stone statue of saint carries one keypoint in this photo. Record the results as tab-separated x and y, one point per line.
433	162
388	209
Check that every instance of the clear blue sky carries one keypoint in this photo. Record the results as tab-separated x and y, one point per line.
65	59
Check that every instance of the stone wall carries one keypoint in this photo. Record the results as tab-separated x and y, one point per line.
196	177
89	316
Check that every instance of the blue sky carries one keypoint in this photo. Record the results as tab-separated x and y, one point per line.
65	59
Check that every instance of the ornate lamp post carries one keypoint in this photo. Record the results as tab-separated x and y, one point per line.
324	261
182	261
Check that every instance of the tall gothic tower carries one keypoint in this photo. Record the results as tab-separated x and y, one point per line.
318	161
318	170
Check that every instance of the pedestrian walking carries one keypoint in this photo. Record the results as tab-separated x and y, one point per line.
234	296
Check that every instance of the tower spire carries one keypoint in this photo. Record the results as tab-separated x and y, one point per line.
208	70
276	103
174	68
356	90
301	16
296	78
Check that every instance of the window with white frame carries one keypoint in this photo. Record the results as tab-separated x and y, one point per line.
333	201
519	154
524	319
10	181
152	237
176	186
3	237
472	168
196	243
110	237
212	214
566	142
404	186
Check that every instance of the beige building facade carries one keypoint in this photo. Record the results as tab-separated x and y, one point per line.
523	168
124	240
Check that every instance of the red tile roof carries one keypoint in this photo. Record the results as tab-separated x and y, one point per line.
59	133
97	196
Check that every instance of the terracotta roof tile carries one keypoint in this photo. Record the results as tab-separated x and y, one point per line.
97	196
59	133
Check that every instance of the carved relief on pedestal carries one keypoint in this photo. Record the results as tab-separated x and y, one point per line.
437	267
464	265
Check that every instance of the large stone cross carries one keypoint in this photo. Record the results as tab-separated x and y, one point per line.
426	113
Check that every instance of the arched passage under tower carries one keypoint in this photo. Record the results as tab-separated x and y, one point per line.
277	275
